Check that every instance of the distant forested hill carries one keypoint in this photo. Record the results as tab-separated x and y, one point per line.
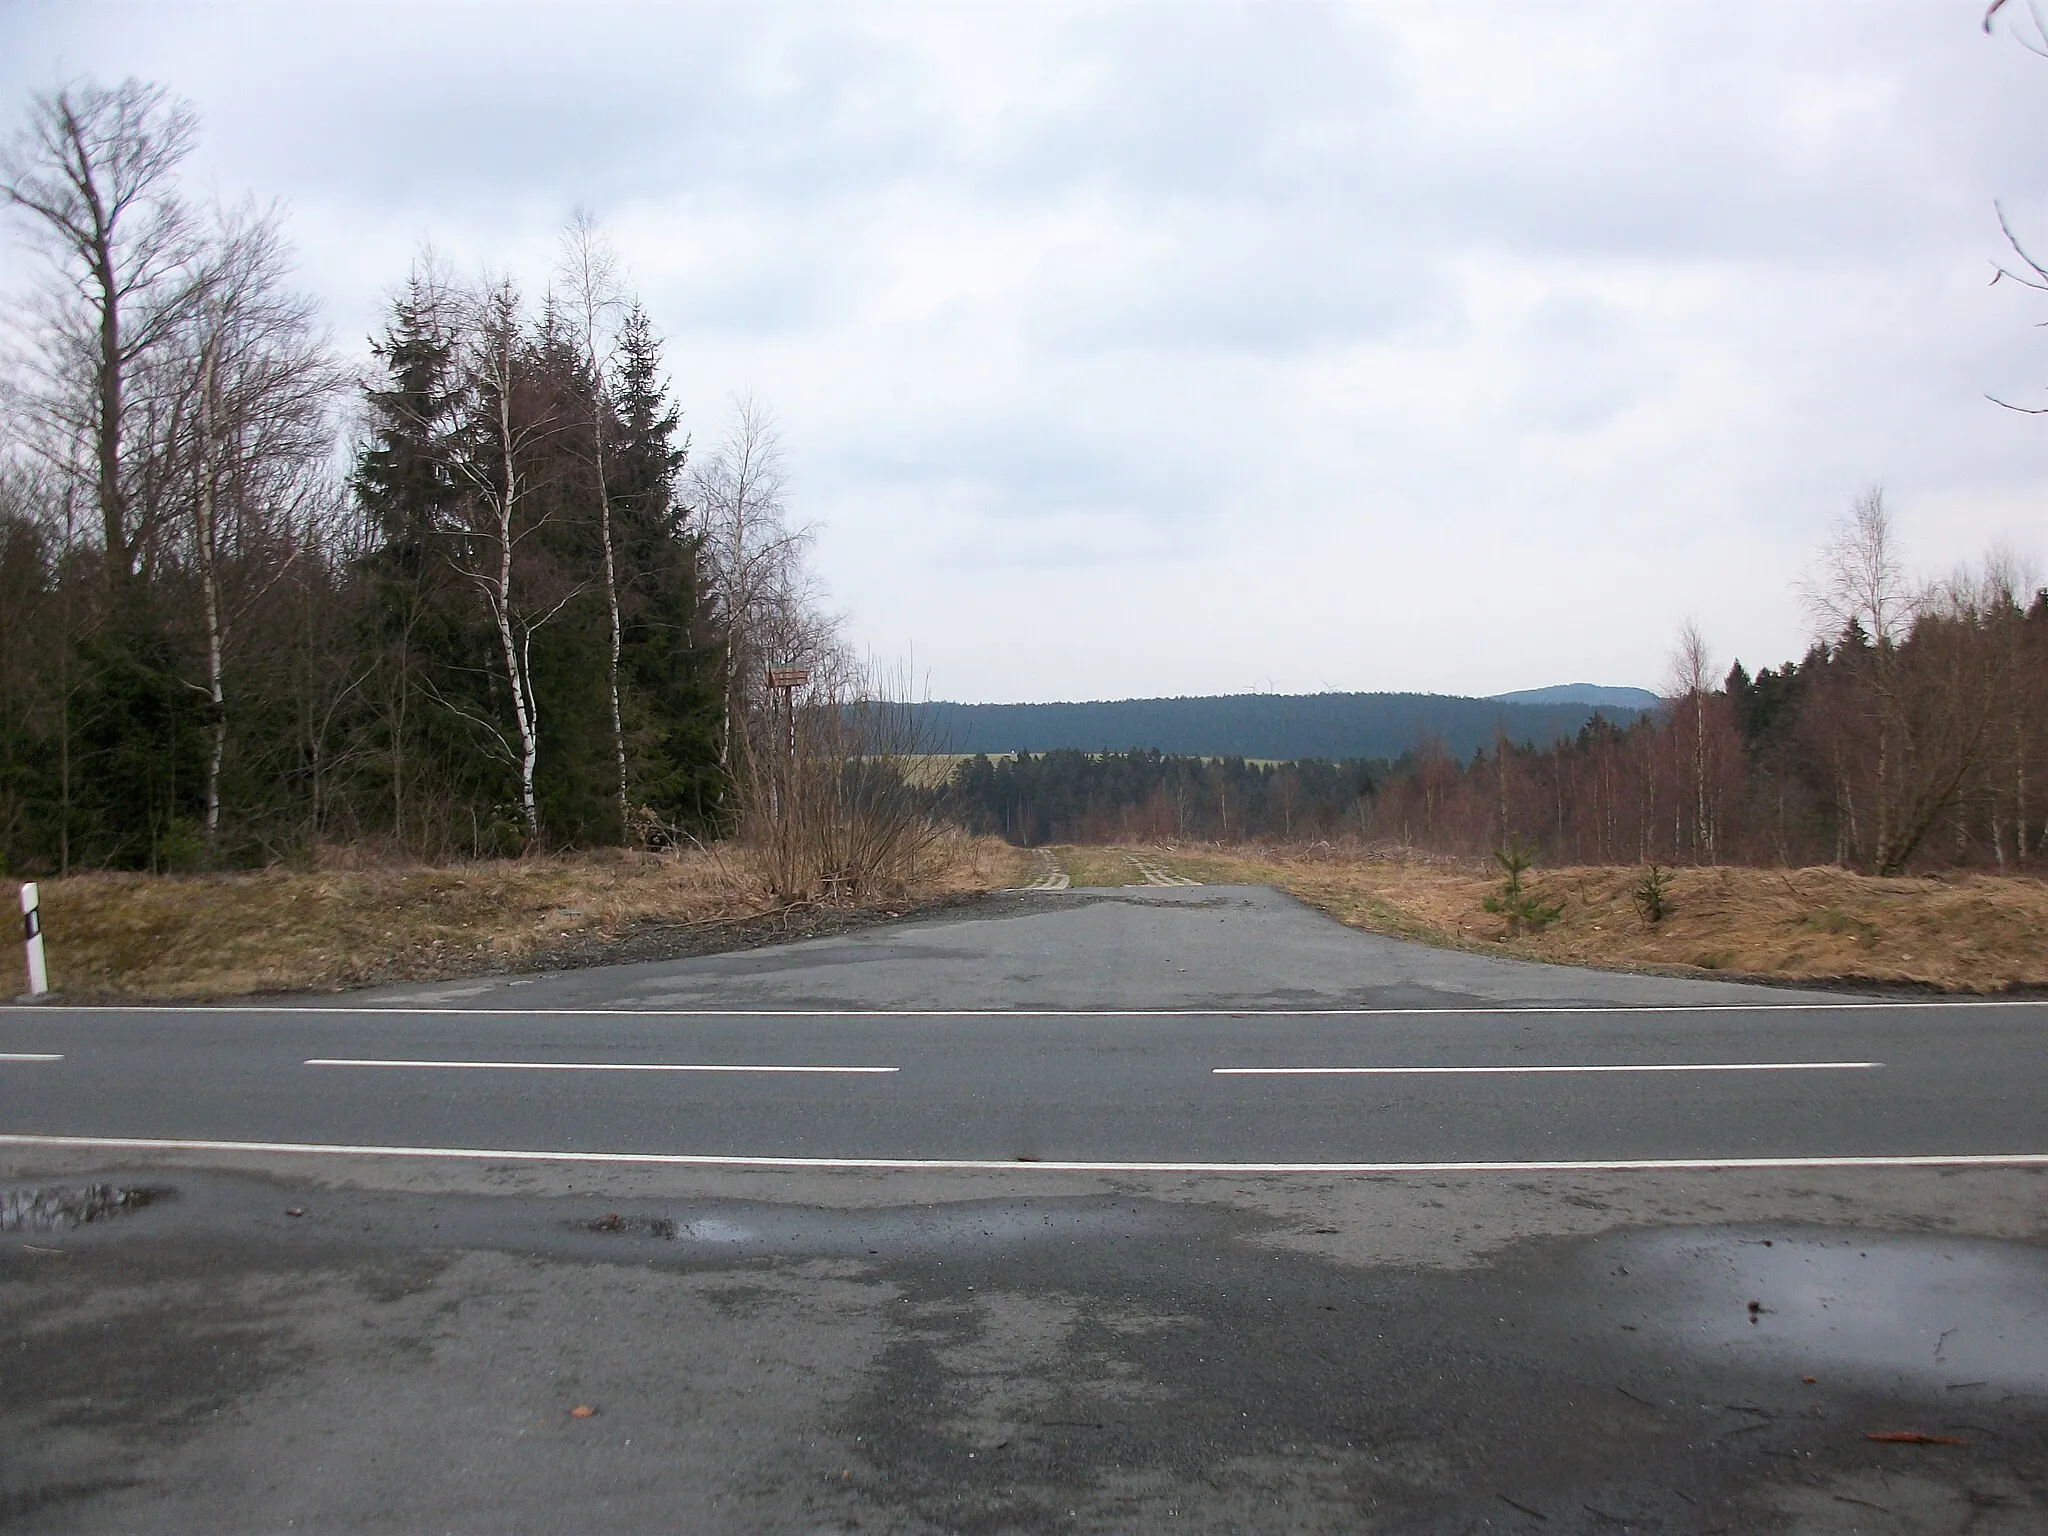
1271	725
1581	693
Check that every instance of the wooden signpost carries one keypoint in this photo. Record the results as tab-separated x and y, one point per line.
788	679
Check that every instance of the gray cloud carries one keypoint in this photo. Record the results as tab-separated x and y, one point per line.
1468	346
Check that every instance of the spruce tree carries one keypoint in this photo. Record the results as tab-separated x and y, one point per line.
402	476
427	647
561	555
668	659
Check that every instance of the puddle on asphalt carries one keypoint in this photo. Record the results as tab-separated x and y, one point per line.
1919	1311
711	1230
62	1207
798	1230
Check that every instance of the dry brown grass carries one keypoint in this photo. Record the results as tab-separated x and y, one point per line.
1966	932
223	935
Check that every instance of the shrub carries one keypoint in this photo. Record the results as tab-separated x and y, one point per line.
1653	895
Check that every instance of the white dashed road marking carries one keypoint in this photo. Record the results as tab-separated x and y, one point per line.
586	1066
1509	1071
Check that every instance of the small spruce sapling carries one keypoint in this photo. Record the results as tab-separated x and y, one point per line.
1523	908
1653	895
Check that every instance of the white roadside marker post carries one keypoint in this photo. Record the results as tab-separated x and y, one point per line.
32	940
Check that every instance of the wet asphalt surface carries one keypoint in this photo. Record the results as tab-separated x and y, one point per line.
271	1343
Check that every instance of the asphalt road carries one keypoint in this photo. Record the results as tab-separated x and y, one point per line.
1139	1210
1612	1083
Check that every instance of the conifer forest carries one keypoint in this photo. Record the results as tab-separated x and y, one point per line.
486	597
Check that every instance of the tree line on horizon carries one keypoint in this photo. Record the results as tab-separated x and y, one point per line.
1281	727
1070	796
1912	735
479	599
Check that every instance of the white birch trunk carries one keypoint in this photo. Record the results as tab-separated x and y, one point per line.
591	270
515	654
611	573
210	587
611	598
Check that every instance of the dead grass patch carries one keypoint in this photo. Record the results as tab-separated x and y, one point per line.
1965	932
271	930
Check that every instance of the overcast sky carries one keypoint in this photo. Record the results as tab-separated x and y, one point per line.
1205	348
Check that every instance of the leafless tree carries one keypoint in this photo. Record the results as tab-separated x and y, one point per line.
2038	43
1860	577
2007	583
264	385
767	607
1860	599
94	172
1692	679
1928	671
589	268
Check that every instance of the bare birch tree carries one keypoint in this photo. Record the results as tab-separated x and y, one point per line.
590	269
1691	682
499	489
1861	590
754	561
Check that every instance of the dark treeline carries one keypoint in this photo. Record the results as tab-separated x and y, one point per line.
1912	738
475	602
1259	725
1073	796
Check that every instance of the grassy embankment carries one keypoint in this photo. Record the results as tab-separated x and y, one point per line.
1964	932
221	935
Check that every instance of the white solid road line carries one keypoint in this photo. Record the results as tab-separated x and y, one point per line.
587	1066
1005	1165
1561	1010
30	1056
1509	1071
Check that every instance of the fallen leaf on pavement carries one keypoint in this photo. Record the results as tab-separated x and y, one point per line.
1913	1437
581	1411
